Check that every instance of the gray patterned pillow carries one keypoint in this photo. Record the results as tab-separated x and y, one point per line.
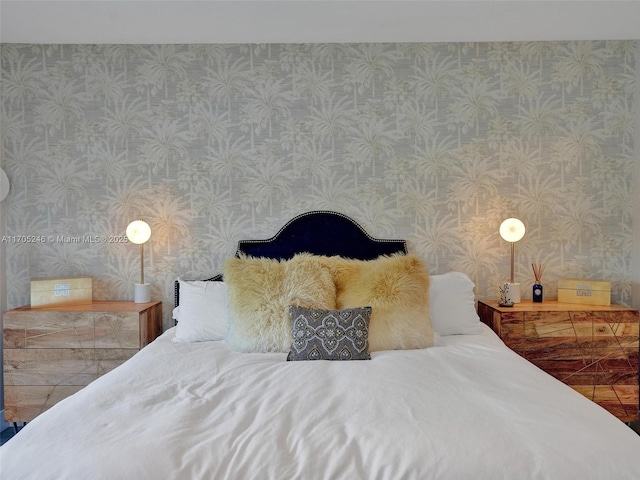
329	334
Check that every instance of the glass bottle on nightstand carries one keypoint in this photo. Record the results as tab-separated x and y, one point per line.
537	292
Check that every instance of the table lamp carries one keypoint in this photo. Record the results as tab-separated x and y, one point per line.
139	232
512	230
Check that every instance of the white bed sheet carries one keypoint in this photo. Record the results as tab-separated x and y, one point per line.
468	408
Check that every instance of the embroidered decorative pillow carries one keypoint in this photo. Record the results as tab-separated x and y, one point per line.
260	291
329	334
397	289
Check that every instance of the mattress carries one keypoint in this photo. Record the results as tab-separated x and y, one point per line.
466	408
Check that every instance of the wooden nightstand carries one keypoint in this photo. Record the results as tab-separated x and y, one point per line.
51	353
592	349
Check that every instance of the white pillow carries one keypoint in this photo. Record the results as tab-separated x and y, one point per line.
202	312
453	305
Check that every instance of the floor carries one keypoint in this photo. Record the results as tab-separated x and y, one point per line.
6	434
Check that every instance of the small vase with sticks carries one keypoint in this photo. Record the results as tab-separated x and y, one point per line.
538	270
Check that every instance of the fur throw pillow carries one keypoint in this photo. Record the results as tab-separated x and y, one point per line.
260	291
397	290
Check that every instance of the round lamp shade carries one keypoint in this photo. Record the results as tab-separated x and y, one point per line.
512	230
138	232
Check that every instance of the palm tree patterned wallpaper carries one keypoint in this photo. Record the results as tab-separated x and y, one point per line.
435	143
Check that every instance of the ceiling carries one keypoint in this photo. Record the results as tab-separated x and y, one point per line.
308	21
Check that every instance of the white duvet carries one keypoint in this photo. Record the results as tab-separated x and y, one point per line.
468	408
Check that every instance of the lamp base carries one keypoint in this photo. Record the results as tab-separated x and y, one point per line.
142	293
511	293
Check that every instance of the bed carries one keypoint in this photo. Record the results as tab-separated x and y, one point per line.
213	399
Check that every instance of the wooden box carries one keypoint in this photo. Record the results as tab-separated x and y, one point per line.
584	292
52	292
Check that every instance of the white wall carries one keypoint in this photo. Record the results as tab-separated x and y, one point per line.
307	21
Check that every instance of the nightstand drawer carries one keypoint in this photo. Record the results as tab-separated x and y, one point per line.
593	349
51	353
575	366
24	403
60	366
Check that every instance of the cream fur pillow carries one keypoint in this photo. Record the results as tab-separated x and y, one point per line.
397	290
260	291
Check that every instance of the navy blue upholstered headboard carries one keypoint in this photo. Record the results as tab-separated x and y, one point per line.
319	233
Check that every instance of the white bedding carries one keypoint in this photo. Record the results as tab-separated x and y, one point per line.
468	408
